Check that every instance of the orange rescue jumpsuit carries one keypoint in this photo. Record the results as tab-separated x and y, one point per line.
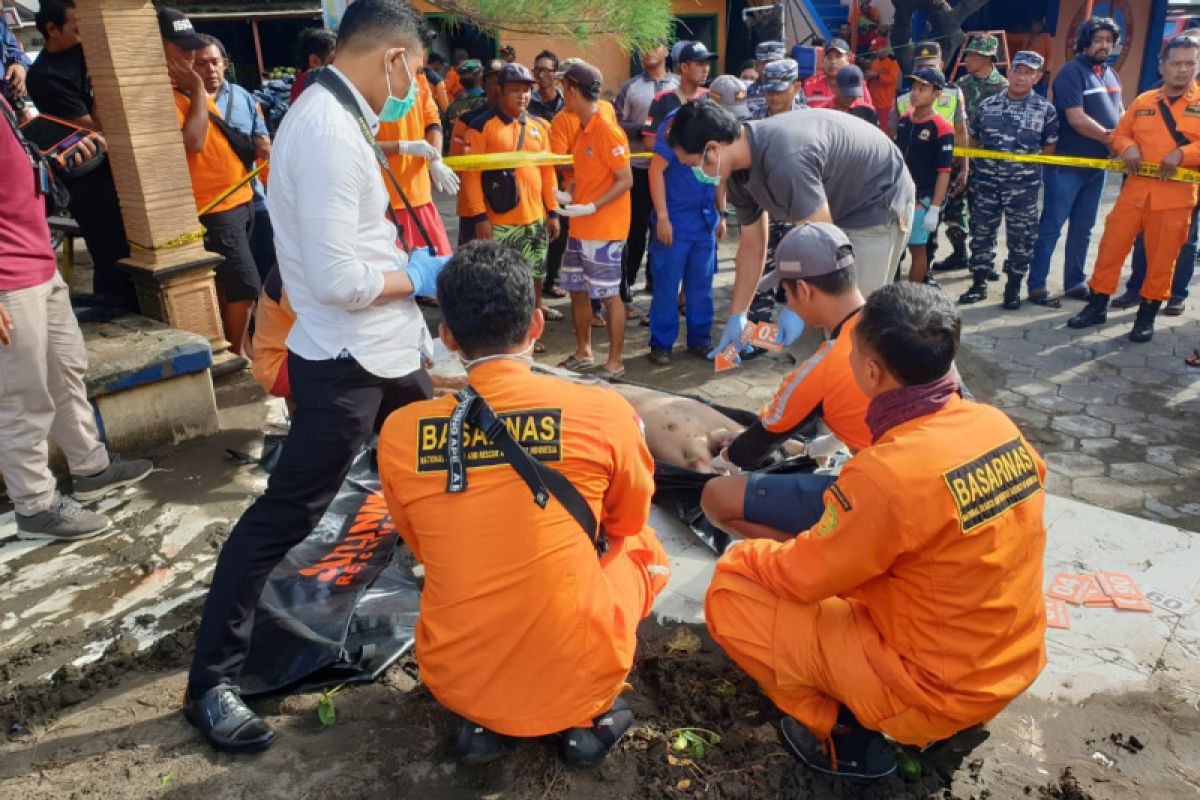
273	321
1160	210
522	628
916	600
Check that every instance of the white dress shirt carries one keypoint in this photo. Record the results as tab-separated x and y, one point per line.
334	241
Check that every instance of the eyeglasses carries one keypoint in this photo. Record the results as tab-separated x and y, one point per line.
540	70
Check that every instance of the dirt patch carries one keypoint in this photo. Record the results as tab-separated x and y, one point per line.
113	730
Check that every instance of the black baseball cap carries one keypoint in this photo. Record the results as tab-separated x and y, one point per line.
177	29
694	51
515	73
850	81
585	77
930	75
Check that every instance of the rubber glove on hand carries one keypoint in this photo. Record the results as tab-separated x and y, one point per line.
577	210
423	270
419	148
562	197
444	178
790	327
931	218
735	328
823	446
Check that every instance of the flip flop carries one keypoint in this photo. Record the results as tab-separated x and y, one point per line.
1193	360
1046	300
552	314
576	364
609	375
599	321
554	291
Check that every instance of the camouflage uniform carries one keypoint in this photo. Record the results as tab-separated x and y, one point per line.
1007	189
973	91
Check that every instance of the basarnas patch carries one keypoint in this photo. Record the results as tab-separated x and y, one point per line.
986	487
539	431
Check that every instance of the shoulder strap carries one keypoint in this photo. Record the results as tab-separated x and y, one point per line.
342	94
1169	119
229	100
543	481
521	137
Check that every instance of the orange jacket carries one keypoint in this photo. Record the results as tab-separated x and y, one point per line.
495	132
883	88
412	172
453	85
1142	124
215	168
521	629
600	150
935	535
823	385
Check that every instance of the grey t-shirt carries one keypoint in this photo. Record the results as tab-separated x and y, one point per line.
809	157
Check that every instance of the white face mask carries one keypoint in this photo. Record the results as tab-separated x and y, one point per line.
525	355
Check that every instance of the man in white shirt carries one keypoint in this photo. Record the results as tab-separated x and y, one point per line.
355	349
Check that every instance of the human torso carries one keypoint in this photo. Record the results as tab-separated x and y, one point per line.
1100	98
495	132
216	168
922	141
843	153
26	258
503	576
386	338
59	84
1024	126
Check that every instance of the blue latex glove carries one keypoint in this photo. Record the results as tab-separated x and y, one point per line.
734	330
790	327
423	270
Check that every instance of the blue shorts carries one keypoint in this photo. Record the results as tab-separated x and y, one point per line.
790	503
919	235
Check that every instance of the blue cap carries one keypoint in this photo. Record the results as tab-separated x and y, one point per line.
779	76
838	44
930	75
1028	58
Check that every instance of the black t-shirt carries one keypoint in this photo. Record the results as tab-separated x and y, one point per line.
546	109
59	84
865	113
928	148
664	103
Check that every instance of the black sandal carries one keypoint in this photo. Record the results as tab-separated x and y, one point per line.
1046	300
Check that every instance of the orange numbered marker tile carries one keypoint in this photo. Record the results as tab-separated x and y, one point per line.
1056	613
1095	596
1118	584
763	335
1068	587
726	359
1132	604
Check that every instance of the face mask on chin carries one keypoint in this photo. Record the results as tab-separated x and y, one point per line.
394	108
704	177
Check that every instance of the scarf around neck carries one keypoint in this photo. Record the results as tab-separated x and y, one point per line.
898	406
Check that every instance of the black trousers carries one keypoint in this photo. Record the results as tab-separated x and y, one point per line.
95	207
640	206
554	256
262	243
228	233
338	406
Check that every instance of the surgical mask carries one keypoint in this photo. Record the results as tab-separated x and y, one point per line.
704	177
525	355
395	108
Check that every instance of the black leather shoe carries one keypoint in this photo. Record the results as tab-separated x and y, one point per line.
587	747
1127	300
1012	294
1094	313
225	721
977	292
956	260
1174	307
478	745
1143	325
851	751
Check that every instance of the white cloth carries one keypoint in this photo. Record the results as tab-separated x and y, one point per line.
334	241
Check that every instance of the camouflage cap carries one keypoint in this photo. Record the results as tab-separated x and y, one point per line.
1028	58
984	45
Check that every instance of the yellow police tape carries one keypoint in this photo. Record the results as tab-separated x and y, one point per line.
475	163
1109	165
197	235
